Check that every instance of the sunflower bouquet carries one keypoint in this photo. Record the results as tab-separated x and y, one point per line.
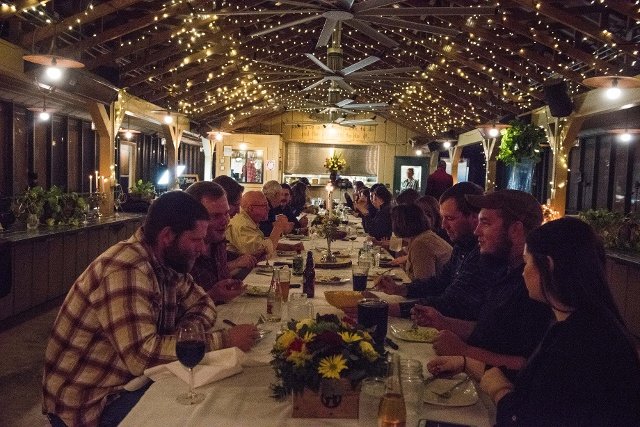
335	163
314	352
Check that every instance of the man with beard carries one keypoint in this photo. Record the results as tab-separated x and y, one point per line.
212	270
460	289
510	325
120	317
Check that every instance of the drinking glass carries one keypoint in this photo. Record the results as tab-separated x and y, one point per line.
373	315
359	277
371	391
190	347
284	282
119	198
352	235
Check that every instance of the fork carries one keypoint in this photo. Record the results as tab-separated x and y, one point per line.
447	394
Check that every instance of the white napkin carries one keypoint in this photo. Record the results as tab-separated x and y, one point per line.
215	365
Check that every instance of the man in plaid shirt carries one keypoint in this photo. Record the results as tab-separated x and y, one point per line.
120	315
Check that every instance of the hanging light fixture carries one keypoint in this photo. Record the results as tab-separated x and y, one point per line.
128	132
612	84
44	113
491	130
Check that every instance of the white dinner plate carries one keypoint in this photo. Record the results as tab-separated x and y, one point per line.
331	280
296	237
421	334
286	253
257	291
463	395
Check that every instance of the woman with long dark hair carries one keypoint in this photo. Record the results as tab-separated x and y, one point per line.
586	371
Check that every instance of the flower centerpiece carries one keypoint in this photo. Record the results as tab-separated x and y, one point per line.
327	226
325	356
334	164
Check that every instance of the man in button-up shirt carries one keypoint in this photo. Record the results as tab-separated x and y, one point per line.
121	314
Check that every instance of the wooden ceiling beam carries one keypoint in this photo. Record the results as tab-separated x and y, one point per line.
8	10
84	17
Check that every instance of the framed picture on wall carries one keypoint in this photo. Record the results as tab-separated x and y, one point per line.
186	180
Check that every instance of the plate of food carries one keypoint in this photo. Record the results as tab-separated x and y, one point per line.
257	291
419	334
331	280
286	253
458	390
296	237
264	270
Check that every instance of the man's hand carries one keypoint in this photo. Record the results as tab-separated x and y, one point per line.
226	289
428	316
389	286
304	221
243	261
449	344
400	260
242	336
449	365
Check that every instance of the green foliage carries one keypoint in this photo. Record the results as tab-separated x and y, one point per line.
143	189
616	230
53	207
520	142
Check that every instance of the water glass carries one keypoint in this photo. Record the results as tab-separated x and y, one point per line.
371	392
359	277
299	307
412	385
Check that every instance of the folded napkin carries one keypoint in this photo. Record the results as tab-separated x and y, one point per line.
215	365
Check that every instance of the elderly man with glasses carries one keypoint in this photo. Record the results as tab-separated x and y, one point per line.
244	234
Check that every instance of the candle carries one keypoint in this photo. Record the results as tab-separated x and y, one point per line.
90	184
97	182
103	180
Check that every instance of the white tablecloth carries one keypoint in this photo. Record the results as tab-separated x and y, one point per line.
245	399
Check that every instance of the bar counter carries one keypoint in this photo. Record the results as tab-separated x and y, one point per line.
41	265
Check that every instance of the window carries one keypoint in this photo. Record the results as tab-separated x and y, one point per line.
247	166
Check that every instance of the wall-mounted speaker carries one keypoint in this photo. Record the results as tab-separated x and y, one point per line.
556	96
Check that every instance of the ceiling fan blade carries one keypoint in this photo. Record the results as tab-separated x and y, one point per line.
327	32
294	3
365	28
344	102
372	4
265	12
339	120
344	85
418	26
385	71
345	4
286	25
293	79
319	63
360	64
314	85
371	105
431	11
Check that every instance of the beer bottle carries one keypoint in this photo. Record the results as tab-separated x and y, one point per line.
309	277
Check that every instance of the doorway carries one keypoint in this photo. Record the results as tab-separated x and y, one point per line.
127	164
420	167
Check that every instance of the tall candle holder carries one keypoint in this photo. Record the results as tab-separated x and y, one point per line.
95	199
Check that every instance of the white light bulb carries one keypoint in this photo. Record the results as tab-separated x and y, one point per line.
218	136
54	73
44	116
625	137
613	93
493	132
446	145
418	152
128	134
168	119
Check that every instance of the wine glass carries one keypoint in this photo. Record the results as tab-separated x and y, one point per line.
352	235
190	347
119	198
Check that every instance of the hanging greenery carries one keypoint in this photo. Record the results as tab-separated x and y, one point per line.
521	141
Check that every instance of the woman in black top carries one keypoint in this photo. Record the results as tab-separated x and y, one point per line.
586	371
377	224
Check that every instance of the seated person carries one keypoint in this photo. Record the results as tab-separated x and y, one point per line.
510	325
244	235
431	208
211	269
233	191
407	197
377	223
121	315
274	194
427	253
299	198
586	371
460	289
299	225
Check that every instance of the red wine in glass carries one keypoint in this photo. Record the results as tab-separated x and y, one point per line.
190	348
190	352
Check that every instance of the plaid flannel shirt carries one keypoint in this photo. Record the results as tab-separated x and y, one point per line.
117	320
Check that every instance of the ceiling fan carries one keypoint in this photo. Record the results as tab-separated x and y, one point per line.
361	15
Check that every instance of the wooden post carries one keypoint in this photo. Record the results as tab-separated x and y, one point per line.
454	154
490	148
105	128
560	146
174	131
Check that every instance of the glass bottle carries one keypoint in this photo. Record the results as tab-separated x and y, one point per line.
274	300
298	264
309	277
392	411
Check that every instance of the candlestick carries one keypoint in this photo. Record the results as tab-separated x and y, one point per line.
90	184
97	182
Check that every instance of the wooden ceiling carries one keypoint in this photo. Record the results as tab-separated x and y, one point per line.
441	69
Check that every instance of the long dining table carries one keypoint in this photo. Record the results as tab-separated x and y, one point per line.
245	399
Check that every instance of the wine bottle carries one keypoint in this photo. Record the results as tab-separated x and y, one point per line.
392	411
309	277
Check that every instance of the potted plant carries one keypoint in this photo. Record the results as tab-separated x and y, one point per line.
30	206
318	358
142	190
520	147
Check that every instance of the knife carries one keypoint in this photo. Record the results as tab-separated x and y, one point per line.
391	344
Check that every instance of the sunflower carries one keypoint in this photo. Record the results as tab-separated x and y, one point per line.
349	337
331	366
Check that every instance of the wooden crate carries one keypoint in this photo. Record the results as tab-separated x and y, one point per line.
336	401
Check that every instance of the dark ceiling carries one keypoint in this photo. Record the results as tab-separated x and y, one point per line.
434	66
